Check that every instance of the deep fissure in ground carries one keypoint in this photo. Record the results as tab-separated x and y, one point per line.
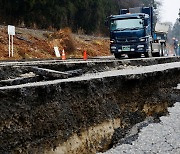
39	118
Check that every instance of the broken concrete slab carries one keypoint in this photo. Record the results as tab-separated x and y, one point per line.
20	80
49	73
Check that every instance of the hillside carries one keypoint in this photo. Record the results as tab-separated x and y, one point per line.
88	15
38	44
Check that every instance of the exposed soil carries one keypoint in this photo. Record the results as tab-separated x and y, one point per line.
32	44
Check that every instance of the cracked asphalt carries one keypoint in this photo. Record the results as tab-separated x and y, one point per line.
161	138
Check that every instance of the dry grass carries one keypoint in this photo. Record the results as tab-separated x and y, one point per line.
31	44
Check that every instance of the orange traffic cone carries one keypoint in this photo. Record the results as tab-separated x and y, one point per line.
63	55
85	55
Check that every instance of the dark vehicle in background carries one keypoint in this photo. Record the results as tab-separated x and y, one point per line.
132	32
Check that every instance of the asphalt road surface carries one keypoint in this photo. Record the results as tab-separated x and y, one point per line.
161	138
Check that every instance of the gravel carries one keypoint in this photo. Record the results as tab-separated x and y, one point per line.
162	138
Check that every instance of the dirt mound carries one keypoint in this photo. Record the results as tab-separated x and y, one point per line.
63	39
32	44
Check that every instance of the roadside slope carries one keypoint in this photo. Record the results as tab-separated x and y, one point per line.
33	44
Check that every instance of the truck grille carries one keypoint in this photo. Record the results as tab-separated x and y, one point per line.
127	40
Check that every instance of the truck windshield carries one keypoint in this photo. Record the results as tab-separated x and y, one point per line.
123	24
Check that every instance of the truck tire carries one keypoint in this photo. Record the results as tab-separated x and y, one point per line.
149	53
162	51
156	54
156	50
163	48
117	55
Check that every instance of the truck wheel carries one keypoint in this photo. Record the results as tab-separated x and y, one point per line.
156	54
163	46
149	53
117	55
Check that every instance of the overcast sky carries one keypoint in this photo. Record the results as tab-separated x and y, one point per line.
170	10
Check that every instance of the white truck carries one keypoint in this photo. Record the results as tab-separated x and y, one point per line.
160	38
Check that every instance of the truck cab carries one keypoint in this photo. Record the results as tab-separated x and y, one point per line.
131	33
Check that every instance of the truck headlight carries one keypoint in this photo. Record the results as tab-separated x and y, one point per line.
140	46
142	40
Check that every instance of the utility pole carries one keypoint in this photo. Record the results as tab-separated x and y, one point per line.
179	15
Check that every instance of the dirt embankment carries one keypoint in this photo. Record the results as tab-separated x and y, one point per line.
32	44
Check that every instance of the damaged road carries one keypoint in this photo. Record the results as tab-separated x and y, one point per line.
85	113
163	137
